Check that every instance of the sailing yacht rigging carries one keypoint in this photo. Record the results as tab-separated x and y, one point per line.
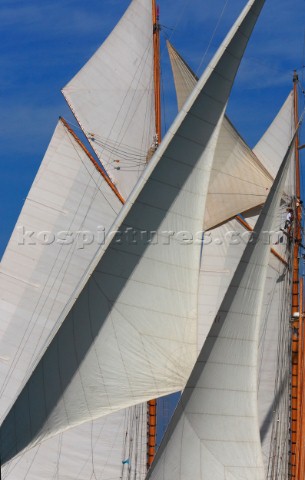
122	318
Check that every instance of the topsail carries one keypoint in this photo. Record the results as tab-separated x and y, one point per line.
112	97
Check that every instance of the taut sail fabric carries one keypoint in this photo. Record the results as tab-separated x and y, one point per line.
112	447
214	432
272	146
238	178
67	213
223	247
66	216
131	332
112	97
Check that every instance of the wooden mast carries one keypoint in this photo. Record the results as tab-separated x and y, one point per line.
157	72
301	419
297	331
152	404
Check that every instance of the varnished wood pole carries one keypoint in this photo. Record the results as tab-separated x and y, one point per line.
152	404
296	367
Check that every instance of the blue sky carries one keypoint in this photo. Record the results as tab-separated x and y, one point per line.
44	43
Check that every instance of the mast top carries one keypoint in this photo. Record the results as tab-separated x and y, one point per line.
295	76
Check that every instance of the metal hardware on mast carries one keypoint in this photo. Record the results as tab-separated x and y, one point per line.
152	404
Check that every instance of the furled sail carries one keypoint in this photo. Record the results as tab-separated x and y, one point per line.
112	97
237	177
110	351
214	432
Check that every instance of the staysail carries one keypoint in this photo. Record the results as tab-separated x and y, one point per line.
272	145
215	429
238	178
112	97
75	381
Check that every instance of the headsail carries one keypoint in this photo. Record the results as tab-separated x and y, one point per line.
214	432
112	97
272	146
237	177
74	381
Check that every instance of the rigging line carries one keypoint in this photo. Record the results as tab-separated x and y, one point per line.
181	10
281	367
163	110
138	72
60	441
118	146
93	475
20	350
68	257
212	37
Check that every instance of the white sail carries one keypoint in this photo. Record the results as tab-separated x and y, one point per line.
112	97
272	146
214	432
66	215
222	251
69	200
237	178
112	447
223	248
184	78
84	374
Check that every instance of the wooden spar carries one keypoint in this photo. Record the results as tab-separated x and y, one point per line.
152	404
152	431
250	229
97	166
295	438
301	417
299	396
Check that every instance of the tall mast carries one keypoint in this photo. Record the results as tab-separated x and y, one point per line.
296	371
157	75
152	404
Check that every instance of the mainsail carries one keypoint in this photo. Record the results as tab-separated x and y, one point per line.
186	178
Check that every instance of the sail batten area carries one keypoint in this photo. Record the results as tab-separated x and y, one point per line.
112	97
218	411
75	380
